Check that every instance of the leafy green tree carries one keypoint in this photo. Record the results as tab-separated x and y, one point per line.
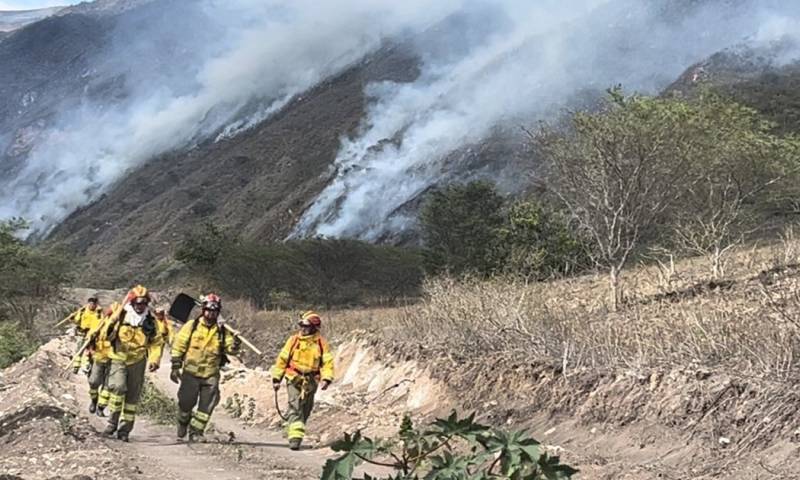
203	249
459	226
536	242
16	343
449	449
27	274
308	272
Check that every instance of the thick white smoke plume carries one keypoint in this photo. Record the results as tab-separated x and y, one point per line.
484	63
540	54
242	51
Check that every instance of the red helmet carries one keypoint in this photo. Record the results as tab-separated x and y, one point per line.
310	318
212	302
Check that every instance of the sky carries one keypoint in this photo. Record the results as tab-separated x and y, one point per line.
31	4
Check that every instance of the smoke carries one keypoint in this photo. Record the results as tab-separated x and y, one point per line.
538	56
188	76
210	69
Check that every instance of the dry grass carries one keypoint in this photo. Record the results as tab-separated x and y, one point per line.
749	323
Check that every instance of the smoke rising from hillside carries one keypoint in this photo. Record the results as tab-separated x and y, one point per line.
231	54
543	53
484	63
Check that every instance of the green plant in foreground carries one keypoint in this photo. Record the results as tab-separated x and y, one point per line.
448	449
157	406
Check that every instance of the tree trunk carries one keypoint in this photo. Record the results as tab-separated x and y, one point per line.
615	290
716	263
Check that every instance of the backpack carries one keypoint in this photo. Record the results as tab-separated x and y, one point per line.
294	345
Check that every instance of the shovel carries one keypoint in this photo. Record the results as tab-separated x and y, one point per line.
182	307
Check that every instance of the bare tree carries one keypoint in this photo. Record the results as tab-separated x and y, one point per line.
742	169
619	172
649	166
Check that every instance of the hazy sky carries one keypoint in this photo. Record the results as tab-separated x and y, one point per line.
31	4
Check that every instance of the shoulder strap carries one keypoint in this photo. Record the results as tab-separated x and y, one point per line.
149	326
189	340
296	340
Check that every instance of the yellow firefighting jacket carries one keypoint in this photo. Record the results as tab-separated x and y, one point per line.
131	344
101	347
304	355
200	348
84	318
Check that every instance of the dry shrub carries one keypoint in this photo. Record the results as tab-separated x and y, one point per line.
749	328
747	324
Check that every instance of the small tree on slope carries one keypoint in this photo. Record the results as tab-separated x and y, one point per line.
631	172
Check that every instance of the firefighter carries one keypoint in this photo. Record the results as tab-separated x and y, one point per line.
100	348
305	361
200	350
84	318
134	338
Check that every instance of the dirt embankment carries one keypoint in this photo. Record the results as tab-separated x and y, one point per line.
678	423
41	434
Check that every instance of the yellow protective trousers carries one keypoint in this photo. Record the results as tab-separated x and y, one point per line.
125	384
301	391
98	383
202	393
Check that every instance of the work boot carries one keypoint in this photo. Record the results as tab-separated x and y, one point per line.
101	412
195	436
122	436
76	370
93	407
110	430
182	429
294	443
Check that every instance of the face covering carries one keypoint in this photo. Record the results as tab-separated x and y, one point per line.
132	318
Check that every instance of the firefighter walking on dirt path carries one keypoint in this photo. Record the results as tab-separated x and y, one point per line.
164	327
135	347
305	361
99	349
199	351
84	318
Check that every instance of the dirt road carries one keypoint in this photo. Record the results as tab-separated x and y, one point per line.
251	454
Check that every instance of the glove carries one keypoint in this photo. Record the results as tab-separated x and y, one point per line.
152	367
237	342
175	375
325	384
276	385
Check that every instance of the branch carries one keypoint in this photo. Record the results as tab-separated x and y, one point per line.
380	464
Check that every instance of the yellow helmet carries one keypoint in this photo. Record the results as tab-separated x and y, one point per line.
138	292
310	318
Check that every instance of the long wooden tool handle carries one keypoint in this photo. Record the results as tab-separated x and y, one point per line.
63	321
79	353
244	340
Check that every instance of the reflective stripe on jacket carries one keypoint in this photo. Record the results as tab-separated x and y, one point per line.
304	355
199	347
